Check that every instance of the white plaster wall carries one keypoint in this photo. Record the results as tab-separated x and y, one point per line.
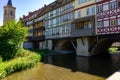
50	44
44	44
40	45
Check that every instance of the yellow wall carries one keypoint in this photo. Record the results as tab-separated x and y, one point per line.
83	10
83	4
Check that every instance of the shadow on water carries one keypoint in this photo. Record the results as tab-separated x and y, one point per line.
103	65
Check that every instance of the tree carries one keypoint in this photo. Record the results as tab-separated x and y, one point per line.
12	35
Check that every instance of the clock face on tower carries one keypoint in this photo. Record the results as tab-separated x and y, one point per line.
9	12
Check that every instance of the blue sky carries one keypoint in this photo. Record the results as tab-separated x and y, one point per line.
23	6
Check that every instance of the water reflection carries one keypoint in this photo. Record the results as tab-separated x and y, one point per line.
69	67
102	66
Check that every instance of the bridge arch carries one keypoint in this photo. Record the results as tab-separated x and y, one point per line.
103	45
65	45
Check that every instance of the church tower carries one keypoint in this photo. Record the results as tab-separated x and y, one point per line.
9	12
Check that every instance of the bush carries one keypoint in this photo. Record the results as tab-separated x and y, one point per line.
21	61
12	35
112	50
0	59
41	52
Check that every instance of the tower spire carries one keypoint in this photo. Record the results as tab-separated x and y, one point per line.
9	3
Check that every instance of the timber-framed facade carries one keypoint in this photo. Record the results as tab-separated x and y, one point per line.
108	17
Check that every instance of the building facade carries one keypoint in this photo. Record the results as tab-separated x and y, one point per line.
80	21
58	18
53	21
38	30
28	22
108	17
35	23
73	20
84	25
9	12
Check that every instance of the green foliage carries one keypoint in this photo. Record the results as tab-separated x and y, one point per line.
112	50
23	60
0	59
42	52
12	35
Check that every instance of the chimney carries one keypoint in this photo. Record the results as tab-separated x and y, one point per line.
45	5
23	16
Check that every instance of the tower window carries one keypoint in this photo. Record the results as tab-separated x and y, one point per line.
5	12
11	13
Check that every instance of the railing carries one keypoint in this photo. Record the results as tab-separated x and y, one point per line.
39	28
36	38
82	32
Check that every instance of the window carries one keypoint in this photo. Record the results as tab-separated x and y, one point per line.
113	22
118	21
93	10
106	23
88	11
86	25
11	13
113	5
79	13
79	26
90	25
71	4
64	17
54	12
99	24
82	1
57	20
54	21
72	15
99	9
105	7
5	12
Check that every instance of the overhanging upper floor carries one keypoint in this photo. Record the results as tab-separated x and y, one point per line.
84	26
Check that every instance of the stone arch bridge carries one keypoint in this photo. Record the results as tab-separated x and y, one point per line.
86	46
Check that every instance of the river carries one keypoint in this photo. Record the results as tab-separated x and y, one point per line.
71	68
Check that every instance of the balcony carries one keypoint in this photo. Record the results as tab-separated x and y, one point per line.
30	23
82	32
83	27
36	38
39	28
39	19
